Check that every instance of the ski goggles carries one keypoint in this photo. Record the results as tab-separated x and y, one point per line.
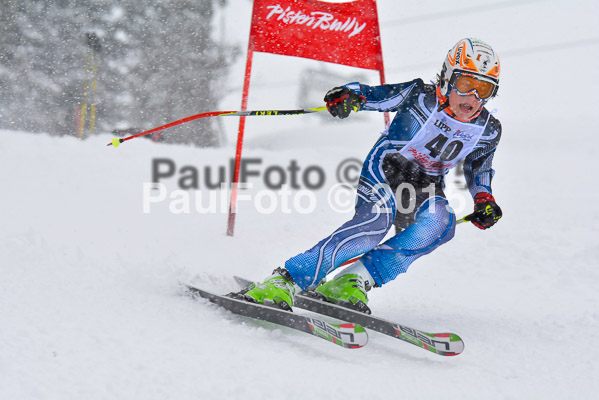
466	84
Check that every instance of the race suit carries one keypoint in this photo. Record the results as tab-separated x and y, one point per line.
402	182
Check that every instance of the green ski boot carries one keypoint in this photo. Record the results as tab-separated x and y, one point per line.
278	290
347	290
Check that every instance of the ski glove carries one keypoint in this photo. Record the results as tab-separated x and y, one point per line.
341	101
486	211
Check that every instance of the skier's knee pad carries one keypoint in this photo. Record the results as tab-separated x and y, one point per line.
436	220
434	225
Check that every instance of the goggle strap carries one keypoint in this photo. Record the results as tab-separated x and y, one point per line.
483	78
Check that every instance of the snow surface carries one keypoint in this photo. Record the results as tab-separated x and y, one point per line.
90	302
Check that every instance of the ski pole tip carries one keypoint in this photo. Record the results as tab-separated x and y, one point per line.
116	142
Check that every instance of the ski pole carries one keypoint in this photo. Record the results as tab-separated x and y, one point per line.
467	218
117	141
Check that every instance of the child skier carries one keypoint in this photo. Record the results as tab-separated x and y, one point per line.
436	126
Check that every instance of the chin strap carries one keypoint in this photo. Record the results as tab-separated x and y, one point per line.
443	106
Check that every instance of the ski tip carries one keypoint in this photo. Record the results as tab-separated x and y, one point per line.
454	343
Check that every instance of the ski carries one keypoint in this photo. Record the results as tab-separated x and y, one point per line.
443	344
347	335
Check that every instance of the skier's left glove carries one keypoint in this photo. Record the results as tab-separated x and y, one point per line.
486	211
341	101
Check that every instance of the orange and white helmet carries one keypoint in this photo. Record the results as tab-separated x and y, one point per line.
474	58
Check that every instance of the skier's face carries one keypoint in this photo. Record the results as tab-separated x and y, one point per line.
464	107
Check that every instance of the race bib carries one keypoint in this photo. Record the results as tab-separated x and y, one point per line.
441	143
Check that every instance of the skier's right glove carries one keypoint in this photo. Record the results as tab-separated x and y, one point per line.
341	101
486	211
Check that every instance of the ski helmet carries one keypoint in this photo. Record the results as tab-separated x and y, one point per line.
475	59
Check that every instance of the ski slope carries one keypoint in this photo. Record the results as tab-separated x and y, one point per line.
90	301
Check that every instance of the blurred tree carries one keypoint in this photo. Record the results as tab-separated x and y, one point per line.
158	62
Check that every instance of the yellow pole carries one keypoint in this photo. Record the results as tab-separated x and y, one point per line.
84	103
92	116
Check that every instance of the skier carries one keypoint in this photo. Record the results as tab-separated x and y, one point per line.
436	126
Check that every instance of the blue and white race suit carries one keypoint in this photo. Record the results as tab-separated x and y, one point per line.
402	181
